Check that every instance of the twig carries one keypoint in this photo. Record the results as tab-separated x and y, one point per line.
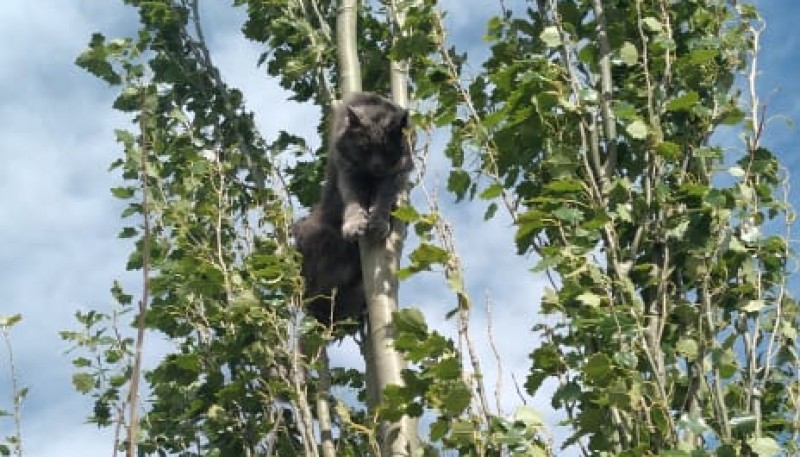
518	389
18	395
323	405
122	405
609	123
498	388
133	424
454	274
491	148
300	403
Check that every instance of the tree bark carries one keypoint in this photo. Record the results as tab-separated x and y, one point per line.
379	260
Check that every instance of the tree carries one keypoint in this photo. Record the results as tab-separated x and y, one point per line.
597	126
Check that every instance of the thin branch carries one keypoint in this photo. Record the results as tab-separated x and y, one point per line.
121	406
323	405
15	389
143	302
606	85
454	274
491	148
323	89
200	49
781	295
220	255
498	388
716	388
300	403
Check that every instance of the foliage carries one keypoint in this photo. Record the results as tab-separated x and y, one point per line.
599	127
595	125
225	281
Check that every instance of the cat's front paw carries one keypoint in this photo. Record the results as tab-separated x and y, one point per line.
378	227
355	223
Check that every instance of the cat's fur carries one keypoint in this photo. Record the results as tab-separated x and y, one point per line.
368	165
331	270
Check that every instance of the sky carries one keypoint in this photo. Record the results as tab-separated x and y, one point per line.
60	221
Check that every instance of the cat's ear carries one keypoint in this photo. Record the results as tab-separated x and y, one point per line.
353	117
400	121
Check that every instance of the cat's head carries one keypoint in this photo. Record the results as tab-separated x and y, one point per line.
371	135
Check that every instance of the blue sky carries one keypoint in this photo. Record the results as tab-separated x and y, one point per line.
60	222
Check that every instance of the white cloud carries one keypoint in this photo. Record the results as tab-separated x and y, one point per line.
58	221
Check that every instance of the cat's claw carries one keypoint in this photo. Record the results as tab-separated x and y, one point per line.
354	225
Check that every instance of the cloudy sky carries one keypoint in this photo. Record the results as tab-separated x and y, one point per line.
59	221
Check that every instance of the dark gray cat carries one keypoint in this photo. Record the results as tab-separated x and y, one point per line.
368	165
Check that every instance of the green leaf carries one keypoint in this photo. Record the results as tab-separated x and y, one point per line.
652	24
463	432
668	150
458	182
702	56
528	416
626	359
410	320
550	37
753	306
10	321
493	191
598	367
426	254
438	430
189	362
82	362
736	171
624	110
623	213
637	129
736	246
491	210
94	61
628	53
725	361
743	422
732	117
565	186
123	192
570	215
457	399
590	299
406	213
688	348
678	231
684	103
128	232
695	424
83	382
764	447
788	330
588	96
449	368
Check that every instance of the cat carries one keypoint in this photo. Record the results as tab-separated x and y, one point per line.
368	164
